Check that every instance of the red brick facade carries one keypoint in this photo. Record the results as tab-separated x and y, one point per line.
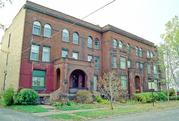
59	70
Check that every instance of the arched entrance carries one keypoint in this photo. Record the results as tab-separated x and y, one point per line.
137	84
78	79
58	78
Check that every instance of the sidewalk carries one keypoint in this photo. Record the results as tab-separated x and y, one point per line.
52	110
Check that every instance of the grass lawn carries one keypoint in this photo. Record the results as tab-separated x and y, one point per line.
120	109
80	107
28	108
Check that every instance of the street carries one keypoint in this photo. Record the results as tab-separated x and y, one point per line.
164	115
10	115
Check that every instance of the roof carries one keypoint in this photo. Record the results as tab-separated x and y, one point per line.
59	15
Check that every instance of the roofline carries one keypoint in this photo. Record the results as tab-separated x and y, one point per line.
127	34
59	15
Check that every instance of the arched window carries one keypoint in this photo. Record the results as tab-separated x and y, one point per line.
140	52
90	42
65	35
128	47
47	30
75	38
137	51
114	43
36	30
97	44
120	44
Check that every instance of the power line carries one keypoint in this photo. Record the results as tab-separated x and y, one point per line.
93	12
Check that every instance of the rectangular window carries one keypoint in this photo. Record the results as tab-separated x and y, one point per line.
97	44
90	57
38	80
155	69
148	69
64	53
75	55
94	84
141	65
153	85
97	62
114	62
137	64
128	63
124	83
148	54
34	55
46	54
123	63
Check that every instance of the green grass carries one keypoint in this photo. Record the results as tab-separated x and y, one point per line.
66	117
120	109
79	107
28	108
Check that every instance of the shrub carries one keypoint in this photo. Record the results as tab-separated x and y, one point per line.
99	99
174	97
84	96
26	97
172	92
8	96
162	96
70	103
147	97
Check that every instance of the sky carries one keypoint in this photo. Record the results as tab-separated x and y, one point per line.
144	18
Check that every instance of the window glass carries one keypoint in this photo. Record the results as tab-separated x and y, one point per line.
90	57
140	52
75	55
128	63
34	55
148	68
90	42
137	51
123	63
46	54
36	30
137	64
97	44
47	30
120	44
128	47
64	53
141	65
38	80
65	35
97	61
155	69
94	84
75	38
148	54
124	83
114	43
114	62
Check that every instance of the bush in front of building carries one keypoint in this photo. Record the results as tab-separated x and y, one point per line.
148	97
26	97
100	100
7	96
84	96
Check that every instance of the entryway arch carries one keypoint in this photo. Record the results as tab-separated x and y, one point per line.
137	84
78	79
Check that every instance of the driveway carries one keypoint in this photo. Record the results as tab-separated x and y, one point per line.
10	115
165	115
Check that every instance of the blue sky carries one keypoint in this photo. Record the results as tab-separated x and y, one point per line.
145	18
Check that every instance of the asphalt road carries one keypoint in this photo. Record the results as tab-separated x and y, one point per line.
164	115
10	115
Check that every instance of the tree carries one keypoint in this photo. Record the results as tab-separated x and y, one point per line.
110	87
169	51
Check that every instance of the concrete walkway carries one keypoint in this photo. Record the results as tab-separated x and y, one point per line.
52	110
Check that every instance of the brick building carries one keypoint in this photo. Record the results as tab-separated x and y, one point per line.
48	50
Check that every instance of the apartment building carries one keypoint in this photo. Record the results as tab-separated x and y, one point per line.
49	50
